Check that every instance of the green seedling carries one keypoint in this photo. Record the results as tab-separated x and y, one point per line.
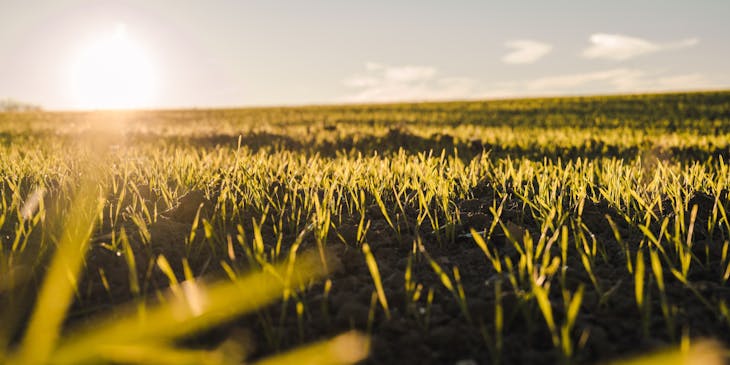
375	274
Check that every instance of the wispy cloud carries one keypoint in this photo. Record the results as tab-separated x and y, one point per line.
693	80
406	73
526	51
619	47
626	80
620	79
384	83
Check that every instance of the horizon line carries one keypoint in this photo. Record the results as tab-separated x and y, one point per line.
366	103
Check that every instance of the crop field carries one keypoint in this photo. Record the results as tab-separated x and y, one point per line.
578	230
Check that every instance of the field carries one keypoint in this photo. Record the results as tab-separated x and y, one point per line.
535	231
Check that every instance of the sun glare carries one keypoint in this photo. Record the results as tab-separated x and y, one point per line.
113	72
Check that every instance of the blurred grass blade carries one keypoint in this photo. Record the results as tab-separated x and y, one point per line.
701	353
161	355
543	302
639	279
574	307
200	308
61	278
348	348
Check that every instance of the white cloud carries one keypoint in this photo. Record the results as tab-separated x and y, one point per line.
618	47
526	51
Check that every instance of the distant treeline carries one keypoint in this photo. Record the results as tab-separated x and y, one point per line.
10	105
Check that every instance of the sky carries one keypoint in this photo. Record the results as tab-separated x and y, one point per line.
80	54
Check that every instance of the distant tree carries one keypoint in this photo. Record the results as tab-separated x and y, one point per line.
10	105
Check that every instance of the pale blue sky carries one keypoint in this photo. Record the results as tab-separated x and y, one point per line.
239	53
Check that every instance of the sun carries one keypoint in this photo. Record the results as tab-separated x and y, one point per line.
113	72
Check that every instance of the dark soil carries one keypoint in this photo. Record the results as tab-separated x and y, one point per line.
607	327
